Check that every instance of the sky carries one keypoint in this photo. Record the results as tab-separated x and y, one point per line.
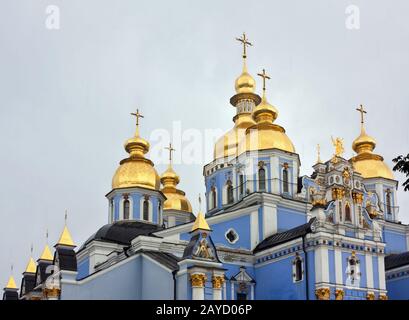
68	87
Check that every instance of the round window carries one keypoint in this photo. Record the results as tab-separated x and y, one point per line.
232	236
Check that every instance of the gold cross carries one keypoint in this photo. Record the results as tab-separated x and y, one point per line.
171	149
200	202
265	76
137	116
362	111
245	43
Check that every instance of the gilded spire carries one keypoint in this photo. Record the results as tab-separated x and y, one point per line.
31	266
200	222
319	153
65	238
46	254
11	284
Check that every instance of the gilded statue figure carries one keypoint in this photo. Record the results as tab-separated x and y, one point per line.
339	146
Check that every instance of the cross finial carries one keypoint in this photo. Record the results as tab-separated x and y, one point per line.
46	234
245	43
11	268
265	76
318	153
171	149
66	216
200	202
362	111
137	115
31	249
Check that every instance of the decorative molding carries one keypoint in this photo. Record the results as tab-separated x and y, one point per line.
339	294
322	293
198	280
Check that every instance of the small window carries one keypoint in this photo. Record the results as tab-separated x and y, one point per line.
146	210
262	179
298	270
388	202
232	236
241	184
348	213
213	198
126	209
285	180
230	198
241	296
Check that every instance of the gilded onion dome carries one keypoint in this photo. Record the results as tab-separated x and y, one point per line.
175	198
368	164
244	101
136	170
264	134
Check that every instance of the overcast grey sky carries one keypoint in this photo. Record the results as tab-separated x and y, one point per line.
66	94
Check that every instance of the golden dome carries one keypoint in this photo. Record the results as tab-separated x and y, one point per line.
175	198
245	83
265	134
136	170
368	164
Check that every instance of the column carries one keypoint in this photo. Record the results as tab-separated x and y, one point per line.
218	281
269	219
198	281
369	271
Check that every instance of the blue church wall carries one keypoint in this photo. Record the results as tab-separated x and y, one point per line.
288	219
331	264
231	271
83	268
260	224
396	242
275	280
375	272
241	225
184	289
120	287
398	288
154	277
116	207
136	199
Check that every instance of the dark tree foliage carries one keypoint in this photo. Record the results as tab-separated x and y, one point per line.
402	165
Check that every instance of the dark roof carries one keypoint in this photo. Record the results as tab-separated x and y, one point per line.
285	236
42	269
10	295
123	232
67	259
29	281
393	261
168	260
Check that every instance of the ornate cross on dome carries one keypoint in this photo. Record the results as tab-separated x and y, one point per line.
245	43
362	111
171	149
318	153
265	76
137	116
200	202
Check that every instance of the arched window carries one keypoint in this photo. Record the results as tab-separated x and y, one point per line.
230	198
213	198
146	210
126	209
285	180
388	202
262	179
241	184
353	271
298	270
348	213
